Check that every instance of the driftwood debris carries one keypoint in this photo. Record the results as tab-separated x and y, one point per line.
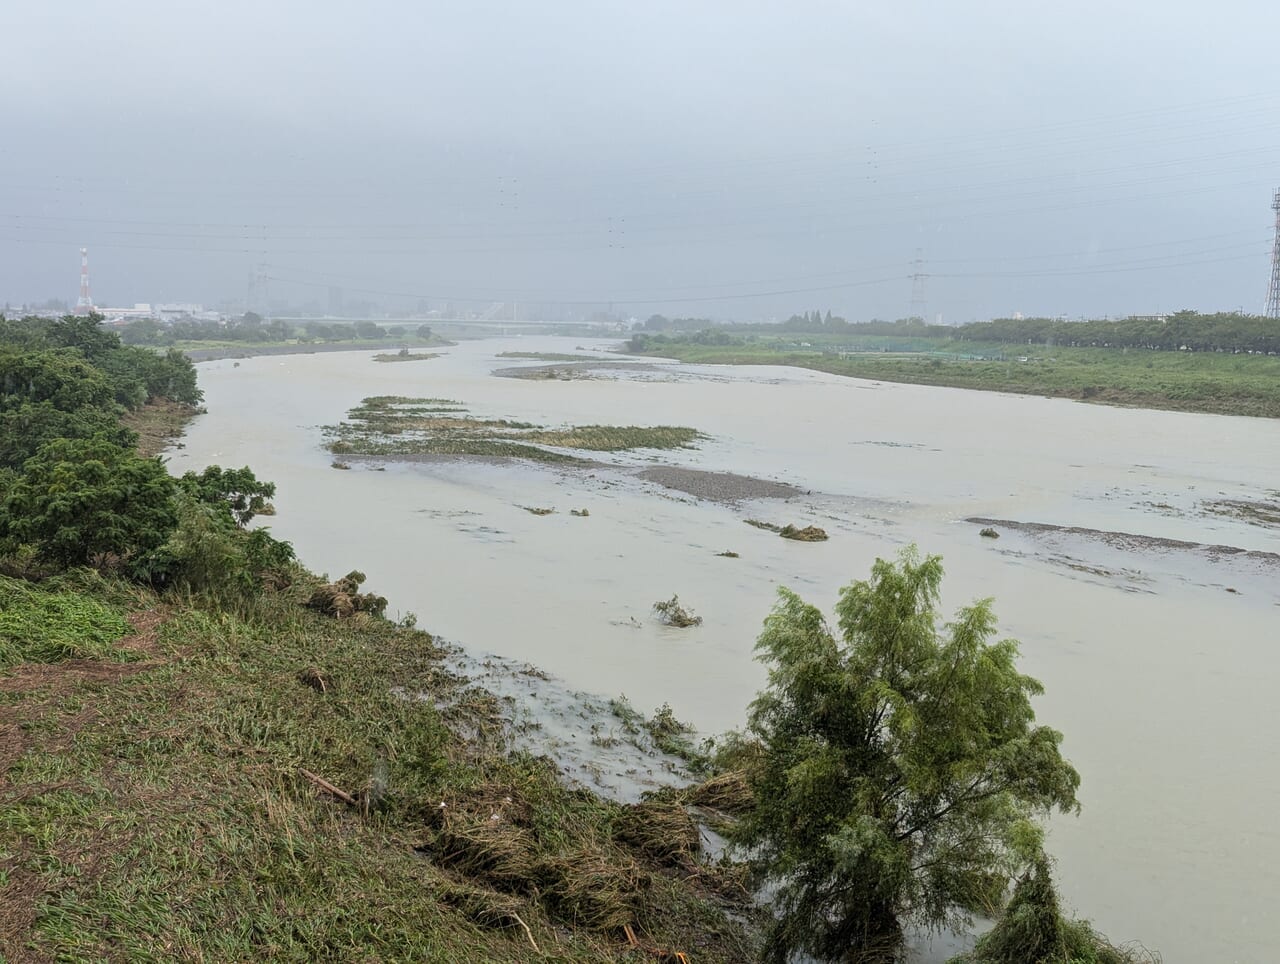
328	787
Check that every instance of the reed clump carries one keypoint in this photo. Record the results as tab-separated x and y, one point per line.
672	613
343	598
807	534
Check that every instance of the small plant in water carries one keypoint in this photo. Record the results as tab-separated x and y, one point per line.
673	614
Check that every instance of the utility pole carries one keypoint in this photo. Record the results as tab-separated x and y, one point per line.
1273	293
918	281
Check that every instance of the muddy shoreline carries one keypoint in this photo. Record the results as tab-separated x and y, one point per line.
1129	541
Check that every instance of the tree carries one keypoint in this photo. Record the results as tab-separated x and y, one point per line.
424	332
900	768
84	332
236	492
144	331
24	428
60	377
79	501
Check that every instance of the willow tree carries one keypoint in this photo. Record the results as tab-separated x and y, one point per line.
902	771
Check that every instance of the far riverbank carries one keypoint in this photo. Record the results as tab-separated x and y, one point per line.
1205	382
250	350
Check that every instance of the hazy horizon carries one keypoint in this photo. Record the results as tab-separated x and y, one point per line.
723	161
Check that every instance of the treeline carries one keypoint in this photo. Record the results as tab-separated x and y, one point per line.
1183	331
663	323
73	490
251	328
641	342
70	379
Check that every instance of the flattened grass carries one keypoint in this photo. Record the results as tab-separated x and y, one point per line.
38	626
180	825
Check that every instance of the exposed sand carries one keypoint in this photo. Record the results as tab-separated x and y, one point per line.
717	486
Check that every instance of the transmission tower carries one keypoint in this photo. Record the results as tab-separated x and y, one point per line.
257	299
918	280
1273	293
84	304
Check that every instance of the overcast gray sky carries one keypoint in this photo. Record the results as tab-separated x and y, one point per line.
730	159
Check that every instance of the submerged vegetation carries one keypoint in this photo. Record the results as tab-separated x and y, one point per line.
789	531
392	426
672	613
404	355
661	732
1034	930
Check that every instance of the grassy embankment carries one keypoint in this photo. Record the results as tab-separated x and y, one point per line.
392	425
156	803
1223	384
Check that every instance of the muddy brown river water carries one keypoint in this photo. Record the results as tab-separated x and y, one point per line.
1161	662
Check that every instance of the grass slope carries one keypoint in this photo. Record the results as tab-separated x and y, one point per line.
160	810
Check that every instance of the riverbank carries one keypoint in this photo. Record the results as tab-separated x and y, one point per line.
159	423
1211	383
895	464
226	780
232	773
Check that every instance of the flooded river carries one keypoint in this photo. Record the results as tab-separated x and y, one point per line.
1161	661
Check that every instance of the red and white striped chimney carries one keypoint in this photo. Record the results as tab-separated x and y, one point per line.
85	304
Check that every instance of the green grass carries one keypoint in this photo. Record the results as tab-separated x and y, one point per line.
1181	381
176	823
38	626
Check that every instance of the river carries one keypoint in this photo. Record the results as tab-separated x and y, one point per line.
1160	663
